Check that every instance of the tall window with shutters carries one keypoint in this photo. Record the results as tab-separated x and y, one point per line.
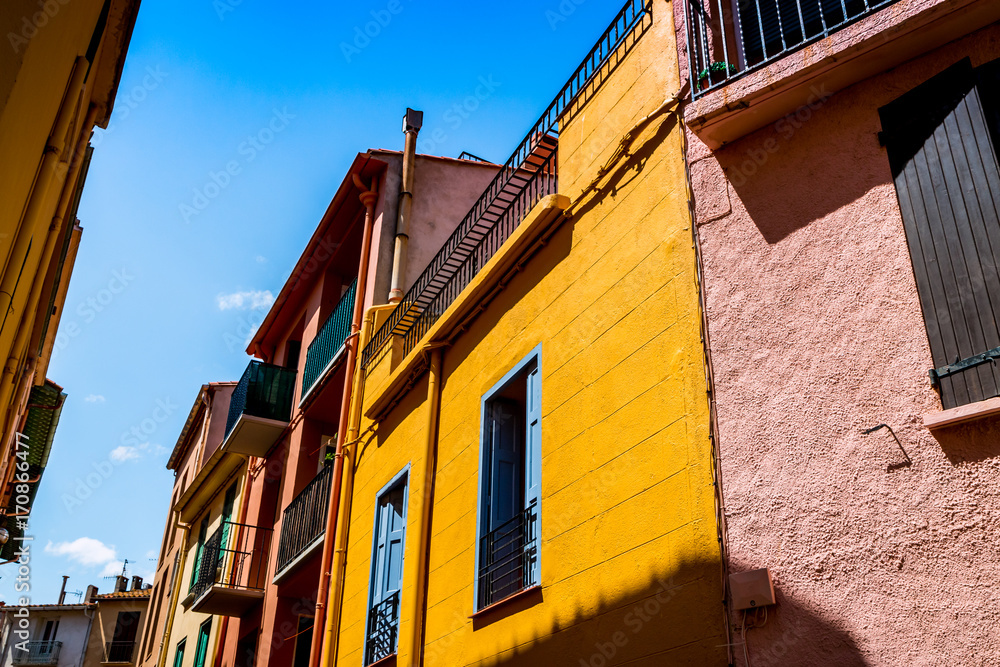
507	550
941	140
389	542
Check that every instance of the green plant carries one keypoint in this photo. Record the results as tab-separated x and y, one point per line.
717	68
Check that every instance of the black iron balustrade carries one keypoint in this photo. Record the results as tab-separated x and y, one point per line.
38	653
383	630
728	38
119	652
265	391
329	340
529	175
304	520
507	557
234	557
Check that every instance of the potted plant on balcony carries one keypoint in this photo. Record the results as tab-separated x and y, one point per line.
715	74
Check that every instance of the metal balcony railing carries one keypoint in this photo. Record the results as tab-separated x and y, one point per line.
234	557
528	175
264	391
304	520
729	38
507	557
328	341
119	652
383	630
38	653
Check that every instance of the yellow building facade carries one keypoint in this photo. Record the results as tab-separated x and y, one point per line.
529	467
60	67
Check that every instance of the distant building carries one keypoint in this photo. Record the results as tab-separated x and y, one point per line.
203	541
60	67
99	630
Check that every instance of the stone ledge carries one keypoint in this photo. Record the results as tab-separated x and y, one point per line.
962	414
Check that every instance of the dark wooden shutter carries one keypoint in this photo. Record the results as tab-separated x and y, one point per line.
944	165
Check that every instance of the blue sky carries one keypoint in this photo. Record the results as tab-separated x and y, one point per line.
179	259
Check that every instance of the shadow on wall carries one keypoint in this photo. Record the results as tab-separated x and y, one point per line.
794	635
970	443
792	173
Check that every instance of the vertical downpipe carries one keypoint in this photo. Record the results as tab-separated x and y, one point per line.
322	633
412	123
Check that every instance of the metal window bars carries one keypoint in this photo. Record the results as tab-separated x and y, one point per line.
729	38
265	391
507	557
528	175
119	652
383	630
329	340
304	520
38	653
235	556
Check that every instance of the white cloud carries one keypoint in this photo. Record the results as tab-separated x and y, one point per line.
123	453
85	550
261	259
95	398
245	300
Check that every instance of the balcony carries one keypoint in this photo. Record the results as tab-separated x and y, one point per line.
727	39
303	523
508	554
326	348
383	630
38	653
754	62
233	570
118	653
260	409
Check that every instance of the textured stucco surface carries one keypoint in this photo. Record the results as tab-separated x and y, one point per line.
816	334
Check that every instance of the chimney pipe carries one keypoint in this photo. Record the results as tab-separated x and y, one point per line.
136	583
91	596
121	583
62	591
412	123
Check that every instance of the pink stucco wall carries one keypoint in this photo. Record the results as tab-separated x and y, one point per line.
816	333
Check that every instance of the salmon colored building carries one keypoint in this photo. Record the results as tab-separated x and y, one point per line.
846	189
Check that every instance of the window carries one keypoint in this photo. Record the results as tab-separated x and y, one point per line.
49	634
941	142
507	550
382	626
246	650
227	512
179	653
123	641
201	652
303	642
199	552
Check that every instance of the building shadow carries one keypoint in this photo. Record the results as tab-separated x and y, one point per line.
972	442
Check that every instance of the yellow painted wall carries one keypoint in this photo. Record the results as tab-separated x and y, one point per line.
630	562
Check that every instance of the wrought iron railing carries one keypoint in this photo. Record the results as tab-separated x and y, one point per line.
329	340
729	38
507	557
264	391
235	556
38	653
529	175
119	652
383	629
304	520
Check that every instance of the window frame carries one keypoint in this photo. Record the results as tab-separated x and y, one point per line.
535	356
179	652
400	478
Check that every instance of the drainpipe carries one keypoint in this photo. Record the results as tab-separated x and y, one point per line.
319	639
54	150
425	509
412	123
176	592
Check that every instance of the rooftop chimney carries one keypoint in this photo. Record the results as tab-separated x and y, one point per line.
136	583
91	596
121	584
62	591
